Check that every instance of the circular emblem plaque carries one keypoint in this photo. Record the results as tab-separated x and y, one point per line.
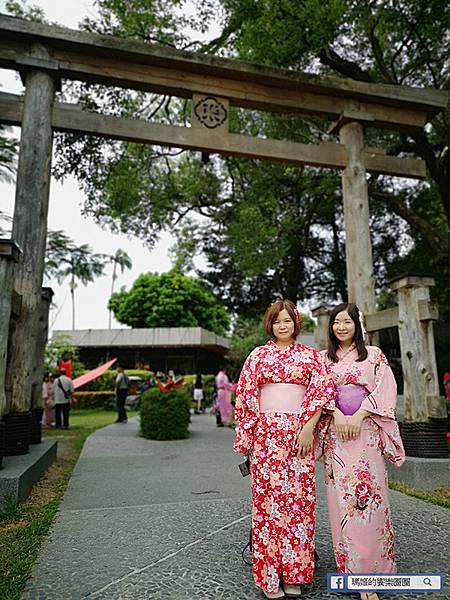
210	112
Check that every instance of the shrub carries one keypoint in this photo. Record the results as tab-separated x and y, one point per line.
100	399
165	416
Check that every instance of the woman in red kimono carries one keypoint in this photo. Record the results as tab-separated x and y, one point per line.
281	390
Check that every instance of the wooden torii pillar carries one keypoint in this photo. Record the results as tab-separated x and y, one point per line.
30	225
358	244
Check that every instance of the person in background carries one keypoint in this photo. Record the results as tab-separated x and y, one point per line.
215	407
62	394
48	419
355	438
198	393
224	389
447	385
121	395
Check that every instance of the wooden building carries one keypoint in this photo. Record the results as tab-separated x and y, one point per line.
183	349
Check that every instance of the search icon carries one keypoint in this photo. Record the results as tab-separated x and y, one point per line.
427	581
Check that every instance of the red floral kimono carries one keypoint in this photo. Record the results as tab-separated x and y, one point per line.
283	490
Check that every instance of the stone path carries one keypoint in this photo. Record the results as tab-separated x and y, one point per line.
144	520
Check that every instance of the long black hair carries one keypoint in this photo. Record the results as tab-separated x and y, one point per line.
358	338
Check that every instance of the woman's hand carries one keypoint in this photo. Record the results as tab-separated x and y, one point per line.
305	441
354	423
341	425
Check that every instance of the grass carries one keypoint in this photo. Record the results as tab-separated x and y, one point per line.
439	496
23	527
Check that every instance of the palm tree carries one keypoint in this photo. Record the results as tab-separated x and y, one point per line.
122	260
79	263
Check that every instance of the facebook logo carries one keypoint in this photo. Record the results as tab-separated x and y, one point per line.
336	583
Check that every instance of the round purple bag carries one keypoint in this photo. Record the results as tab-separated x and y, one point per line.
350	397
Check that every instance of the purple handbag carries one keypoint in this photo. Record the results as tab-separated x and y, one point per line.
350	397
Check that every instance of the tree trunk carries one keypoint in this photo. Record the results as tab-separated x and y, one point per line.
72	293
30	230
112	291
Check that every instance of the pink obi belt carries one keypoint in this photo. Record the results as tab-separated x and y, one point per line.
350	397
281	398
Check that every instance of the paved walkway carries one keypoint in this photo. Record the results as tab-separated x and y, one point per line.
167	521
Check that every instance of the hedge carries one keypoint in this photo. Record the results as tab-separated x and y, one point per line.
166	416
100	399
107	381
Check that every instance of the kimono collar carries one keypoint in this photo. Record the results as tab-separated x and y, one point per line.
341	354
273	344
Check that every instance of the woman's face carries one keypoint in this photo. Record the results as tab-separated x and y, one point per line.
283	326
344	327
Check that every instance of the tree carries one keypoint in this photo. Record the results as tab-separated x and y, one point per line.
78	263
169	300
122	260
57	347
396	43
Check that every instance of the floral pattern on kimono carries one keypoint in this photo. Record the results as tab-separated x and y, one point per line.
283	490
355	471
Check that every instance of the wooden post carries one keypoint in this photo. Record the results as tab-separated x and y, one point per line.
358	246
30	226
9	255
424	427
41	340
322	314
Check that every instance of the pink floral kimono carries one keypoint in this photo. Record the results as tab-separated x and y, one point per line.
283	490
355	470
224	389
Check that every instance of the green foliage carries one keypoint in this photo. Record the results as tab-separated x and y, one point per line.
269	230
165	416
169	300
56	347
98	399
247	334
10	510
23	11
106	382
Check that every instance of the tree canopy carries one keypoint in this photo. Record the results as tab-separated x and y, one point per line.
169	300
265	229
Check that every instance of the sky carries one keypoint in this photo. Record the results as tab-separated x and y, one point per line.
66	201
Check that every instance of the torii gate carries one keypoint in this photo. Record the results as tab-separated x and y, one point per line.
46	54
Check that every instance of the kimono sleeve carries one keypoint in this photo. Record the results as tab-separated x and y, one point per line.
382	399
320	392
246	410
381	405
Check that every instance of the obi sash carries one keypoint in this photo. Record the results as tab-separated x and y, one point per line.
350	397
281	397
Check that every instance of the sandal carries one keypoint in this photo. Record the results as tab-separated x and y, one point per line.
292	590
275	595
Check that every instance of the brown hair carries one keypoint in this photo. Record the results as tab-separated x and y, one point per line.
358	338
274	310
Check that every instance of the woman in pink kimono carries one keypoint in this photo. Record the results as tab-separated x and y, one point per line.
224	389
355	439
281	390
